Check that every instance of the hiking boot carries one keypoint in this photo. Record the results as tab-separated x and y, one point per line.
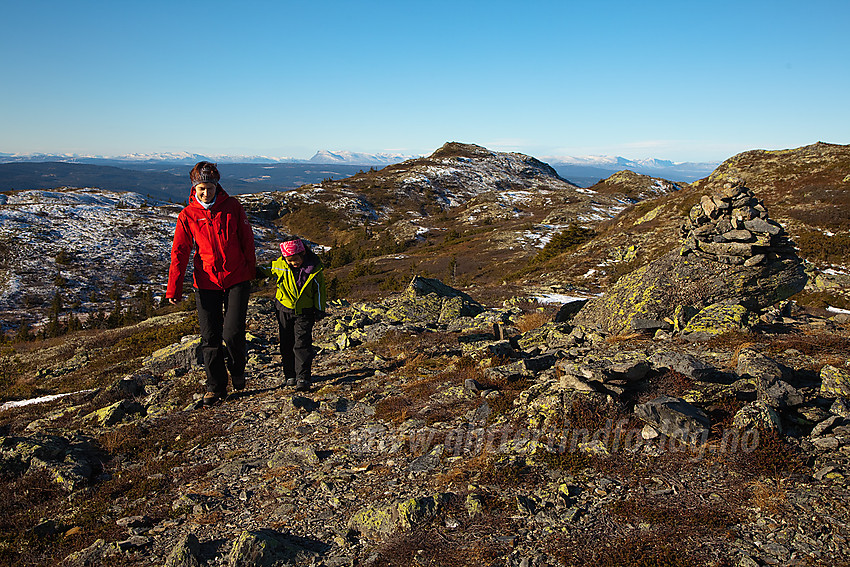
238	382
302	386
211	399
290	382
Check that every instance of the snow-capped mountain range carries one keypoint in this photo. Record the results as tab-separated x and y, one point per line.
608	163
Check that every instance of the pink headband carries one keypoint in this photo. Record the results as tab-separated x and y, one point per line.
291	247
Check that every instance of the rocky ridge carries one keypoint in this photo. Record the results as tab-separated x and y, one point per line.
804	188
497	209
442	428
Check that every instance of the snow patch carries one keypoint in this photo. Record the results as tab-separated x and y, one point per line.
42	399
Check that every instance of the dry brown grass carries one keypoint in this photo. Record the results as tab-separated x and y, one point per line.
769	496
627	338
733	361
533	320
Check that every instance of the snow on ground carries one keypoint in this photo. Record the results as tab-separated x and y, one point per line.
107	237
558	298
42	399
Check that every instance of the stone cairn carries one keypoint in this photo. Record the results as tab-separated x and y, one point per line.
732	227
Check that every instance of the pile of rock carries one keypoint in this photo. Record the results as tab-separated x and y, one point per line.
734	262
732	227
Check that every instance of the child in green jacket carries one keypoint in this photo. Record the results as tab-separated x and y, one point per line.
301	300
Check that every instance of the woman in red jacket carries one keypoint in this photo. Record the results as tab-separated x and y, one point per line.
216	227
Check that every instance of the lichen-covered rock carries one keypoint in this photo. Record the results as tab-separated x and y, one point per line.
98	553
597	370
474	504
757	415
115	413
549	335
265	548
656	290
405	515
835	382
683	363
697	277
676	418
185	354
70	462
717	319
428	300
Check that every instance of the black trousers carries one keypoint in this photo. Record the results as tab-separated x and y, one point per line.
296	343
221	316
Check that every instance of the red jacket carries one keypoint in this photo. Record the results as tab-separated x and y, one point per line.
223	242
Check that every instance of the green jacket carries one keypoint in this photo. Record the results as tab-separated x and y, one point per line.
313	294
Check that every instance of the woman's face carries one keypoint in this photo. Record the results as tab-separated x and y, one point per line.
295	260
205	192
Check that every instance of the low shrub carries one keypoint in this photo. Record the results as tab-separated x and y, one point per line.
568	239
817	246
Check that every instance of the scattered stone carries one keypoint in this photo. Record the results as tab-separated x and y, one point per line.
841	406
683	363
767	375
835	382
267	547
294	455
185	553
429	461
676	418
98	553
134	522
757	415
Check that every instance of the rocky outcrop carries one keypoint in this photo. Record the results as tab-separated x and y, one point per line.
425	303
70	461
675	418
732	254
449	433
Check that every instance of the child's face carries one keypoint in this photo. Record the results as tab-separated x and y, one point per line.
295	260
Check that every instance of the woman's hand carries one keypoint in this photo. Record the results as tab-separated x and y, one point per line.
174	300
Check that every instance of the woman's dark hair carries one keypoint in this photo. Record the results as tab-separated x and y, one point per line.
204	172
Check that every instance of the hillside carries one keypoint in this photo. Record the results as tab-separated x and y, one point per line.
472	217
478	214
542	444
464	213
447	426
805	189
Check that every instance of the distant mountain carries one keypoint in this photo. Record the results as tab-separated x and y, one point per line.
583	171
354	158
595	168
164	180
186	158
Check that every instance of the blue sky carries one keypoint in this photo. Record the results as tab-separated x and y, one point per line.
686	81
